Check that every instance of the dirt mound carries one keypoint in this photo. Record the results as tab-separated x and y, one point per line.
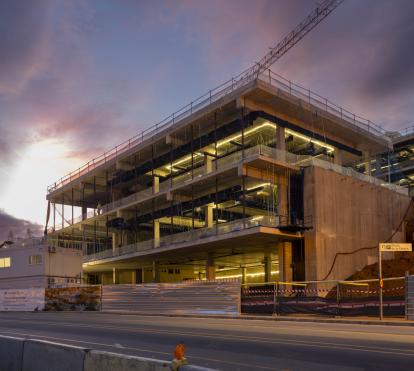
403	262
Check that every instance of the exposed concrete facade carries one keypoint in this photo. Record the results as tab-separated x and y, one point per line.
348	214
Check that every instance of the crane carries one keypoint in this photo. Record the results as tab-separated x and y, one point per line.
290	40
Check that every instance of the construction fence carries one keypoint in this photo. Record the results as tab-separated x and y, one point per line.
225	297
332	298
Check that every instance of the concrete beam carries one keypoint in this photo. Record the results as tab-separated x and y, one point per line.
120	165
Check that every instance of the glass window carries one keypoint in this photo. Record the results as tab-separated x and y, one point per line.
35	259
5	262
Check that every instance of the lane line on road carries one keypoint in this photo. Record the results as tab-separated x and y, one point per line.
329	345
311	330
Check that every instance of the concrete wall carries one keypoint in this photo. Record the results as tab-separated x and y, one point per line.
17	354
348	214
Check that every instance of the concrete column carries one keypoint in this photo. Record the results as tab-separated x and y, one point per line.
280	143
208	163
84	212
210	268
116	240
285	261
338	157
267	265
367	161
280	138
209	215
282	190
155	272
155	184
115	276
156	233
244	271
282	197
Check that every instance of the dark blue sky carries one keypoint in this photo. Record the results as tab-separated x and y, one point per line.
77	77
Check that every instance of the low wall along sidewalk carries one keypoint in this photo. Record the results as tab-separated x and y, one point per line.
18	354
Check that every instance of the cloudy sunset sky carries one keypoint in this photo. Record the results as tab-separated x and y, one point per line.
78	77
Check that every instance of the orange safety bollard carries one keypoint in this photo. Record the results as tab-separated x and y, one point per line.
179	357
179	351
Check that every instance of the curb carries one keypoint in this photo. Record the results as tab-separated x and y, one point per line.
402	323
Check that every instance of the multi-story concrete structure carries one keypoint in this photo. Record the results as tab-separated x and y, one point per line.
32	263
257	179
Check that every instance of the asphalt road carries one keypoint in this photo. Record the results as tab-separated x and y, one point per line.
226	344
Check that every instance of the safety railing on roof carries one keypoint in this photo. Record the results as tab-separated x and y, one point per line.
403	132
286	86
355	174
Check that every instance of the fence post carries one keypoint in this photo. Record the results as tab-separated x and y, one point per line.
338	299
275	298
380	282
408	298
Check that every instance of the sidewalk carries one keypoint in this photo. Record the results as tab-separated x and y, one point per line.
315	319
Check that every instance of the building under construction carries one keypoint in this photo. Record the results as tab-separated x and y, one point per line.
258	179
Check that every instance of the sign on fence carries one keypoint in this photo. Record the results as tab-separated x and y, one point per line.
22	299
395	247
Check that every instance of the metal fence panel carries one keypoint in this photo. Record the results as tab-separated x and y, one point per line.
341	298
409	297
193	297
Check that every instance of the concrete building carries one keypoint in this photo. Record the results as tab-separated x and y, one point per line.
260	179
32	263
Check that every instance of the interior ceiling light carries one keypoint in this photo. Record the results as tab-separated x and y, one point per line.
247	275
184	159
273	126
258	186
248	132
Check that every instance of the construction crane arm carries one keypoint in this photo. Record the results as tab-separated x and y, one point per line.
291	39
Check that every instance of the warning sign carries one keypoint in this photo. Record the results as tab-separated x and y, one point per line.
396	247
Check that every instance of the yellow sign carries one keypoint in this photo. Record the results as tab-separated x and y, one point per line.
396	247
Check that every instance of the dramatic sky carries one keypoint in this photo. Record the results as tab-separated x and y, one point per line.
77	77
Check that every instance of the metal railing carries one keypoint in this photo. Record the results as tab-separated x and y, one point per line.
354	174
193	235
401	133
233	160
284	85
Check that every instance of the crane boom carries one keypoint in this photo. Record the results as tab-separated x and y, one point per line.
291	39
